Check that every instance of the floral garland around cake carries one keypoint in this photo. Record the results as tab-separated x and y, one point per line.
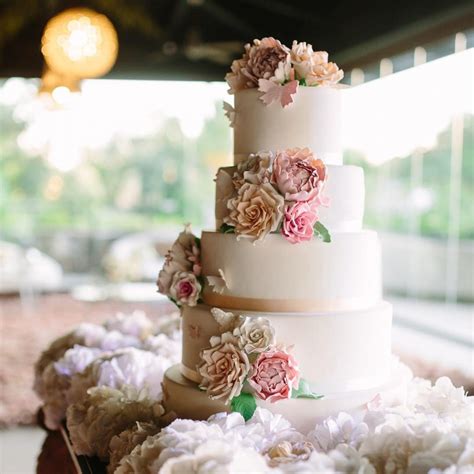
245	362
277	71
277	192
180	278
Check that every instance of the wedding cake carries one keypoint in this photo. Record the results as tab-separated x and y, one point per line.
281	305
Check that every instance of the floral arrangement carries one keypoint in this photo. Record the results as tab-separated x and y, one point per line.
276	192
129	351
432	432
246	353
180	278
277	71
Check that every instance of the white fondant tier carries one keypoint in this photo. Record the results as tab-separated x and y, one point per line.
274	275
344	188
313	120
185	399
336	352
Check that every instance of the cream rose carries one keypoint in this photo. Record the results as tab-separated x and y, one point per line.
255	335
255	211
302	58
224	368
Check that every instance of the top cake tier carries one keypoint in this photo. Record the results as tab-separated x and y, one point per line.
313	120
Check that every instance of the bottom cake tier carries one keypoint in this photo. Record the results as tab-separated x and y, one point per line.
186	400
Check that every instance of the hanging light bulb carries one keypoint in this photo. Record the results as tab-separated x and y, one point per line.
79	43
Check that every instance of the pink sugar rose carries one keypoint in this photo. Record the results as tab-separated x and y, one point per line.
298	174
185	288
274	375
298	222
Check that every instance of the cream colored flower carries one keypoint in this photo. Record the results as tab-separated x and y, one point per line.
302	58
124	443
287	452
256	169
224	369
255	335
255	211
106	412
324	74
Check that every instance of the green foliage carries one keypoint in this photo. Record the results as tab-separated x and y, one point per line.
226	229
321	231
244	404
304	391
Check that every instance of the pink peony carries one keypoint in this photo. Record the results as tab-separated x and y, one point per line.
185	288
274	375
298	222
298	175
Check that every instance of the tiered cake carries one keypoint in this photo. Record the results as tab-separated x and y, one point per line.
281	304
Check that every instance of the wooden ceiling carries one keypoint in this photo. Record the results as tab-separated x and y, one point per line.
197	39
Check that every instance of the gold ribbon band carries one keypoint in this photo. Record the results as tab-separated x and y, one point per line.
190	374
285	305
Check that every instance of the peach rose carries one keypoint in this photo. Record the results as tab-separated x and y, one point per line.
324	74
302	58
255	211
298	174
274	375
224	369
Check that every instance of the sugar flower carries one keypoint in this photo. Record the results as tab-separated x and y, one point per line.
279	93
224	369
274	375
256	169
298	222
184	256
185	288
255	211
255	335
299	175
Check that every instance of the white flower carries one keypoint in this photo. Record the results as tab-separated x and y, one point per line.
165	346
142	370
255	335
217	457
348	460
336	430
104	413
136	324
90	334
56	380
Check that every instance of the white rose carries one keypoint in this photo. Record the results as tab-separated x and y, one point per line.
255	335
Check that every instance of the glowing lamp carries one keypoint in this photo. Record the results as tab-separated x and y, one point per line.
79	43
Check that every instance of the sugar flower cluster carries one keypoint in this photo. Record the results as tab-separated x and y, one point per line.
276	192
277	71
180	278
247	352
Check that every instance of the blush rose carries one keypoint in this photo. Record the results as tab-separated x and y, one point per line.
274	375
299	219
185	288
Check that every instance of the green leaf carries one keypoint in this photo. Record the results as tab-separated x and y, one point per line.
304	391
322	232
303	82
244	404
226	229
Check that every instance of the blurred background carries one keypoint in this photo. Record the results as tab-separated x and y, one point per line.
112	128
